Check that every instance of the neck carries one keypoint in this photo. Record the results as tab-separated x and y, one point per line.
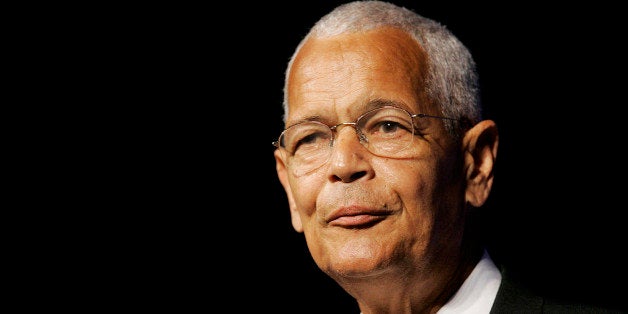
417	287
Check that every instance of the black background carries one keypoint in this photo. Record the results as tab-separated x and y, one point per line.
207	224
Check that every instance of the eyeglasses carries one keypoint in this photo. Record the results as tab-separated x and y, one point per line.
386	132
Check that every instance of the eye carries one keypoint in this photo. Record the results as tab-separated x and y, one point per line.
306	137
314	138
388	127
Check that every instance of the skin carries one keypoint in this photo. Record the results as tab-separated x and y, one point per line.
391	232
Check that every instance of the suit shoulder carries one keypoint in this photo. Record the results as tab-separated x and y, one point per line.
555	306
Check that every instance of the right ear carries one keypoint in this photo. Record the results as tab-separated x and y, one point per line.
480	146
282	173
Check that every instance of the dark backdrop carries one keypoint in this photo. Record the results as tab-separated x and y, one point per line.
210	226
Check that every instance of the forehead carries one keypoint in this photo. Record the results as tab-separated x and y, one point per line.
344	74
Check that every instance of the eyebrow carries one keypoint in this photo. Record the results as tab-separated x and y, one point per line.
316	118
370	105
379	102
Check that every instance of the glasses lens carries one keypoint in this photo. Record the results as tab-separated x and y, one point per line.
306	145
386	131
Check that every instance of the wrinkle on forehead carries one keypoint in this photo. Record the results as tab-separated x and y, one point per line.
356	68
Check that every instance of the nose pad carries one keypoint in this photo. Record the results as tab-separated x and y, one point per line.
347	139
353	126
361	137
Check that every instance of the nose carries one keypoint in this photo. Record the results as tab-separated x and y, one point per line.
349	137
348	160
338	132
336	128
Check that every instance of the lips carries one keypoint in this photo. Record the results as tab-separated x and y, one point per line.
356	217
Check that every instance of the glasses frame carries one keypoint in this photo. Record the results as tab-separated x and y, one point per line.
277	144
361	137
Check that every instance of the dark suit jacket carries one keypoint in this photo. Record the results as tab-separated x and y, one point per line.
514	298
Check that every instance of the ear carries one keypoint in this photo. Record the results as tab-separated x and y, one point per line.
480	150
282	173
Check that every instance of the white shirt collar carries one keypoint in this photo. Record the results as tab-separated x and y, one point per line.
478	291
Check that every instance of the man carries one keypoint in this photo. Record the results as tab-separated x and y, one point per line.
386	159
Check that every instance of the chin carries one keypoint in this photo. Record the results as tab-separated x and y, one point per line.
357	258
361	269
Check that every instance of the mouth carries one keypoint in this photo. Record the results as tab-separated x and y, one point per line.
356	218
357	221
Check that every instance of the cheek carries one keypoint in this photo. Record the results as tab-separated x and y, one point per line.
405	178
417	186
305	192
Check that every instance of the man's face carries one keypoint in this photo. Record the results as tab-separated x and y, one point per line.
364	214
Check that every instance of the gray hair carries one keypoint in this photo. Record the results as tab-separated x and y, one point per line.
452	80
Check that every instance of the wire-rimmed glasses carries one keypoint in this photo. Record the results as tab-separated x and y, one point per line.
386	131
